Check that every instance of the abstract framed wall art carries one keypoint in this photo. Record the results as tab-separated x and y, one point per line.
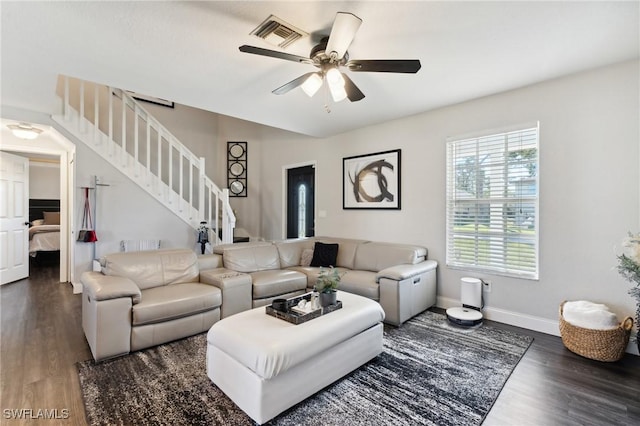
371	181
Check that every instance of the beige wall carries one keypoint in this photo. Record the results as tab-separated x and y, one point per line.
44	180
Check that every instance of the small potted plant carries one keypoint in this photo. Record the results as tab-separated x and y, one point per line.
326	285
629	268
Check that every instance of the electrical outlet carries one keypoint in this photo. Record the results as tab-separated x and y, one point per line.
486	286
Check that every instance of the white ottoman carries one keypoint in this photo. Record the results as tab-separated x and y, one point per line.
266	365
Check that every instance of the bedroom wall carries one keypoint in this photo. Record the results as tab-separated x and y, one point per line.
44	180
590	186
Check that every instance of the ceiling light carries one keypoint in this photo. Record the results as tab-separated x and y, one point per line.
24	131
338	93
334	77
336	85
312	84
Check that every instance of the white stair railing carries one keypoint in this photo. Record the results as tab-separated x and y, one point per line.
121	131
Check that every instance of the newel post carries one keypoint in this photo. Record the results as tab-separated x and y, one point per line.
201	185
227	227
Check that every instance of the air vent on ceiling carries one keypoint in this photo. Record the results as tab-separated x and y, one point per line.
277	32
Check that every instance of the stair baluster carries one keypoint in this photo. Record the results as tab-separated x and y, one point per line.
135	159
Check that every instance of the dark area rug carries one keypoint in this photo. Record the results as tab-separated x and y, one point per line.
430	373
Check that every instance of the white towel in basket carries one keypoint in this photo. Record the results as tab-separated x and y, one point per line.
585	314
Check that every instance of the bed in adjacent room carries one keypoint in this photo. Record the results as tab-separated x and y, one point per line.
44	232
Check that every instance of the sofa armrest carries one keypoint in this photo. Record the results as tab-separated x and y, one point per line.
407	290
402	272
236	289
106	287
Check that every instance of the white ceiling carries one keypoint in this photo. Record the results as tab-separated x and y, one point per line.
188	52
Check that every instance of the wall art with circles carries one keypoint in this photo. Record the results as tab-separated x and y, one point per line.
237	169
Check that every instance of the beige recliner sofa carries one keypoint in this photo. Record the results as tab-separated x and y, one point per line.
142	299
398	276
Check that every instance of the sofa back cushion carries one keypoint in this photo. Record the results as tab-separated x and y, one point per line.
346	250
153	268
373	256
290	251
252	259
221	248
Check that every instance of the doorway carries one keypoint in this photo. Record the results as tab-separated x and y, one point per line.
52	144
300	192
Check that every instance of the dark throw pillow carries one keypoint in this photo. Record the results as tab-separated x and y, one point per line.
324	254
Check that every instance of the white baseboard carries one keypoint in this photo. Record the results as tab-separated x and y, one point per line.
77	288
530	322
543	325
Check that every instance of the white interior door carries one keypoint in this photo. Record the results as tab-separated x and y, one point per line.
14	218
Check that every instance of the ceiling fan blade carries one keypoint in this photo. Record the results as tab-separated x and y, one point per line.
343	31
292	84
410	66
353	93
274	54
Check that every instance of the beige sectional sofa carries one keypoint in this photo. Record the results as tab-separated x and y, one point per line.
147	298
397	276
143	299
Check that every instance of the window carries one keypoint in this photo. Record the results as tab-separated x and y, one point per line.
302	210
492	203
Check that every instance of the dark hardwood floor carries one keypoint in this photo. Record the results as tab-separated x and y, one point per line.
42	339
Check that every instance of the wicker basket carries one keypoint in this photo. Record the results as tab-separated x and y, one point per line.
601	345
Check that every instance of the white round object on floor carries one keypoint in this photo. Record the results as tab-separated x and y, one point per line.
464	316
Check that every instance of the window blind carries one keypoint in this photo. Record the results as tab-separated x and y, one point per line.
492	202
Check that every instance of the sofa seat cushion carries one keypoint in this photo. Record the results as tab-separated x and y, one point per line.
174	301
362	283
312	273
276	282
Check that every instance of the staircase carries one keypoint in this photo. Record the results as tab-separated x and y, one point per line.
121	131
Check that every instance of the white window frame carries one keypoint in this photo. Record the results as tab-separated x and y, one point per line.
491	248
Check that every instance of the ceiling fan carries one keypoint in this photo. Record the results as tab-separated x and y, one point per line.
331	54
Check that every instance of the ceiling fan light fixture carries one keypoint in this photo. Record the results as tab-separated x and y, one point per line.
24	131
312	84
337	92
335	81
328	56
334	78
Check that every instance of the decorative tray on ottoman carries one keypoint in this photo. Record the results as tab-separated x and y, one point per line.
298	316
